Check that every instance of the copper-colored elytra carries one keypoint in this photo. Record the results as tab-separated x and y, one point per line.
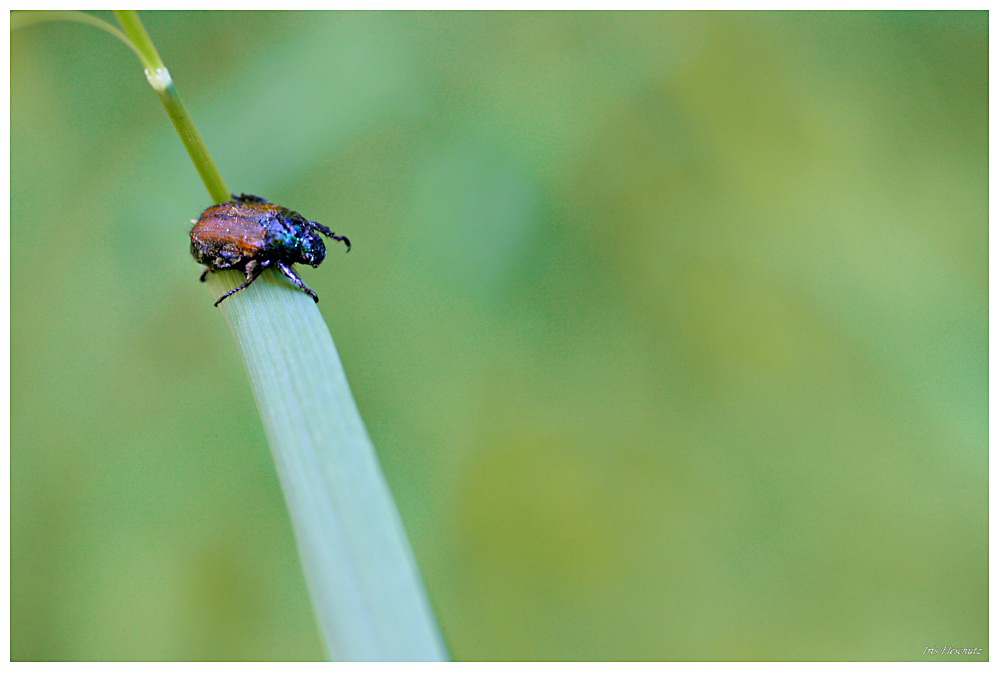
239	228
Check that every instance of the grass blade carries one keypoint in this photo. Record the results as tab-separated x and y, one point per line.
365	586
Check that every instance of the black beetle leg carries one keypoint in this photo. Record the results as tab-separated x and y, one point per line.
329	232
252	271
248	198
287	270
204	275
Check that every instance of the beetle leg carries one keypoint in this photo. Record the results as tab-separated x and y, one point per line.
287	270
204	275
329	232
252	271
248	198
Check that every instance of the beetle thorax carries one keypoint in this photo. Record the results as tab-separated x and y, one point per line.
290	239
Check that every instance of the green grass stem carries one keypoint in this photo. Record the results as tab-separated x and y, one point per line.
163	84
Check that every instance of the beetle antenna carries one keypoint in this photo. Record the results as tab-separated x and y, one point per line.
329	232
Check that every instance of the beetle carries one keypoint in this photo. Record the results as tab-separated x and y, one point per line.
250	234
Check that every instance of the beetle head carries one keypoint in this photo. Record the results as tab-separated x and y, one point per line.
312	249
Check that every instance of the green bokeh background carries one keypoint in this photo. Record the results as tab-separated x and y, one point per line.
670	329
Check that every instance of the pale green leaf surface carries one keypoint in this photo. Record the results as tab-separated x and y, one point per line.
360	570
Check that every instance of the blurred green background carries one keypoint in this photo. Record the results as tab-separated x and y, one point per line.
670	329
